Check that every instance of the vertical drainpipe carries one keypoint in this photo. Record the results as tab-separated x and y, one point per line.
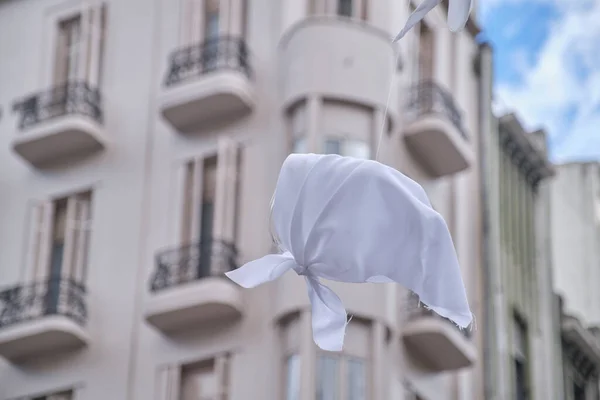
485	68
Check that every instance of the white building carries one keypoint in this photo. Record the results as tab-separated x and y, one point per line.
131	127
576	239
522	340
576	253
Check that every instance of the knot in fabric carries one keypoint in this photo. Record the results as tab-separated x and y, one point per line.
328	313
301	269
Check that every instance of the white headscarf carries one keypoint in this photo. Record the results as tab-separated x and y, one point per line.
357	221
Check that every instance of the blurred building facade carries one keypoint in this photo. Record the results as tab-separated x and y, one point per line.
576	238
137	166
523	361
576	256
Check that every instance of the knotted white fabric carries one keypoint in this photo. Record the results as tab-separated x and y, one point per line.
458	14
358	221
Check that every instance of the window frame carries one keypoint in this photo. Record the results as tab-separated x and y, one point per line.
191	190
76	227
91	46
221	369
521	356
345	8
344	142
342	372
288	356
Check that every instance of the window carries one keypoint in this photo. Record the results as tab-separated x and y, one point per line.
328	379
59	241
298	128
337	376
344	8
426	49
290	339
578	392
211	19
356	379
68	49
79	49
347	147
300	146
344	376
333	146
520	355
209	188
292	374
340	377
205	380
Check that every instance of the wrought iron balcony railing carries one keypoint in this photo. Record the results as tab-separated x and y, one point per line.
50	297
428	97
193	262
416	310
69	98
213	54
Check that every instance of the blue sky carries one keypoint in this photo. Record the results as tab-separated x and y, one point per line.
547	55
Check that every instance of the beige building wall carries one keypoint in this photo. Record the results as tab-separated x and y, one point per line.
140	131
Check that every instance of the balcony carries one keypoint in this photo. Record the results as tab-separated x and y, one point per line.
436	342
188	288
435	133
43	318
59	125
207	83
336	58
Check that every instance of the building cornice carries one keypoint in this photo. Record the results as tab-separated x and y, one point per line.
525	154
581	346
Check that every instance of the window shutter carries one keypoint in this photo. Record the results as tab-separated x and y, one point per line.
81	238
197	183
95	35
237	18
85	42
225	201
179	220
227	172
416	45
192	22
61	58
222	375
72	221
32	243
185	225
168	383
44	246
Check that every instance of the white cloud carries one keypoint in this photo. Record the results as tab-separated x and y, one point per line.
555	85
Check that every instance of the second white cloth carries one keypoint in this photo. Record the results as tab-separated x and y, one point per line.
458	14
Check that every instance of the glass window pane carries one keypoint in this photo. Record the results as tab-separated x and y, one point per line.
211	27
344	8
356	149
199	382
299	145
327	378
356	380
333	146
292	385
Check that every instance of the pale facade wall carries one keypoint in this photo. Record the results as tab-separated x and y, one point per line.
136	212
576	239
519	266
